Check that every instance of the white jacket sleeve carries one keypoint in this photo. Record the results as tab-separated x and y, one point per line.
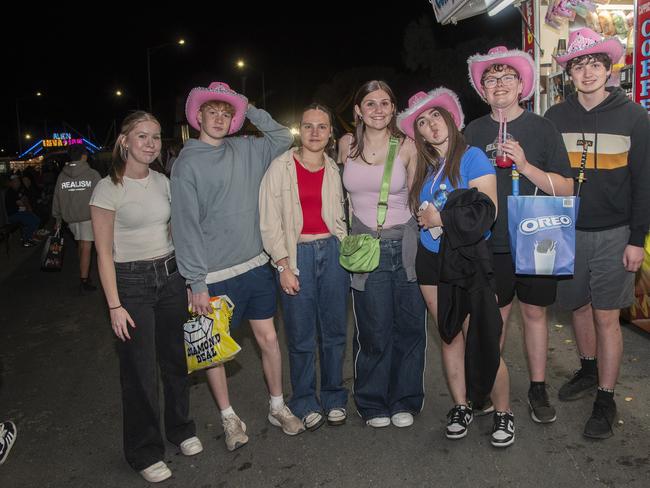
271	224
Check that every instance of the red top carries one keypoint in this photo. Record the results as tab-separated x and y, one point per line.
310	188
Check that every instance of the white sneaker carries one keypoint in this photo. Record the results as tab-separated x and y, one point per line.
287	421
235	432
378	422
337	416
156	472
402	419
191	446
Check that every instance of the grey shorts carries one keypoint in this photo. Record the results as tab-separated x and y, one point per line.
599	277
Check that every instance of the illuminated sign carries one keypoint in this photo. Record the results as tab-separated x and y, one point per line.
61	142
62	139
528	19
642	54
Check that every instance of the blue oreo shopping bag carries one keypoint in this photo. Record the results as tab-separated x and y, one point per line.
543	234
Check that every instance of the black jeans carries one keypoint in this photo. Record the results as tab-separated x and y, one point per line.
157	303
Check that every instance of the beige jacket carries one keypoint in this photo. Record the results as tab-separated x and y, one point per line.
280	211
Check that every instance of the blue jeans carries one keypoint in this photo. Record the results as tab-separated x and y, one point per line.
318	310
390	339
29	222
157	303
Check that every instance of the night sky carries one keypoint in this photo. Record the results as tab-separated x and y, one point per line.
78	60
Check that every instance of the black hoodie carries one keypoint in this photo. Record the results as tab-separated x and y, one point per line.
617	189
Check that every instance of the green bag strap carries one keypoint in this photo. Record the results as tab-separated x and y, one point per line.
382	206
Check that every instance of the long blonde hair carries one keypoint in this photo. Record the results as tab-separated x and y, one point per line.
120	152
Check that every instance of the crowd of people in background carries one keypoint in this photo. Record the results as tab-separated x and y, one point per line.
258	219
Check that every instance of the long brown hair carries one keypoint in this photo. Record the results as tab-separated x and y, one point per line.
429	159
356	148
120	152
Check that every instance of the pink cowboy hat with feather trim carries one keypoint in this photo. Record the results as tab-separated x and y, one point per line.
585	41
218	91
420	102
516	59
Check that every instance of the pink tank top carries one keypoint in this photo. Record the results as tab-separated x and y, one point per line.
363	181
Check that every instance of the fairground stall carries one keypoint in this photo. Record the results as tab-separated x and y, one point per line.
545	31
546	25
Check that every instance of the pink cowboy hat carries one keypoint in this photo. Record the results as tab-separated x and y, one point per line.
516	59
585	41
440	97
216	91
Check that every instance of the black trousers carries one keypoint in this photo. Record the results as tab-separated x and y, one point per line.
157	303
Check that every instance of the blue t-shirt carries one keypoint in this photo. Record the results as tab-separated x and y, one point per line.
473	164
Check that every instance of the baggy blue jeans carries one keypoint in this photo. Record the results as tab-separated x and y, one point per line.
317	317
390	339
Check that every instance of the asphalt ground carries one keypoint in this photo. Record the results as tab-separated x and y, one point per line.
60	385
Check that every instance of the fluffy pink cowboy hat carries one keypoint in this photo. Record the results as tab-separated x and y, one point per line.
420	102
516	59
585	41
216	91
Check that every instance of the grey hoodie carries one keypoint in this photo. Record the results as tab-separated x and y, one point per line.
72	192
215	213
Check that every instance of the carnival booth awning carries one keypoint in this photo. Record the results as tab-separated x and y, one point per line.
451	11
546	25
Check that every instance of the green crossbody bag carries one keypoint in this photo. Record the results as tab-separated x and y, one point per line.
360	252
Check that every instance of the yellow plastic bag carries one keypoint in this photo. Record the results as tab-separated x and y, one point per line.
207	337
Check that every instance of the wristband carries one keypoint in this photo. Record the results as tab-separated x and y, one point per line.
115	308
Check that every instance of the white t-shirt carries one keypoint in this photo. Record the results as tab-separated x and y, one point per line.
142	214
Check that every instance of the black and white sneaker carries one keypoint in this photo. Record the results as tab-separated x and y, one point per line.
458	419
7	438
503	430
